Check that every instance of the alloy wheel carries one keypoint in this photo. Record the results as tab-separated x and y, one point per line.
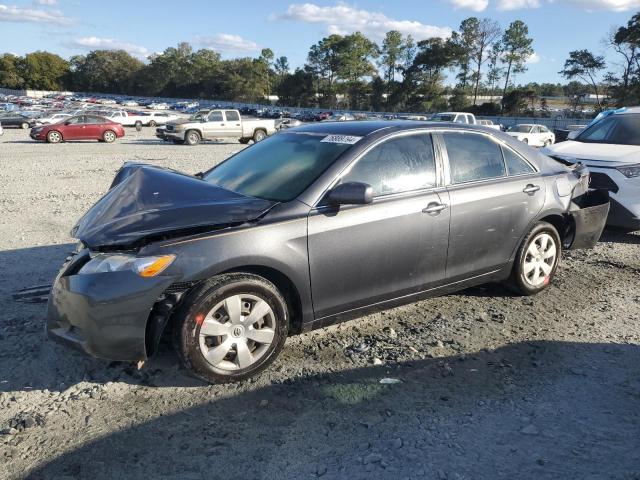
237	332
539	260
54	137
109	137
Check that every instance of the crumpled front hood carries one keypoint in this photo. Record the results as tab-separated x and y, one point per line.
596	154
149	201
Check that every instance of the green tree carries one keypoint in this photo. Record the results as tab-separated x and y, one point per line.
584	65
391	56
486	33
43	71
517	47
10	75
104	71
266	57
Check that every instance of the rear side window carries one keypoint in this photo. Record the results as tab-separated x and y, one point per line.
516	165
473	157
232	116
401	164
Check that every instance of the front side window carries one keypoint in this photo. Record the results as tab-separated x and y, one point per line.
473	157
216	117
94	120
279	168
76	120
401	164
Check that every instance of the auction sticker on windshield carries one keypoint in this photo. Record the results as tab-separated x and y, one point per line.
348	139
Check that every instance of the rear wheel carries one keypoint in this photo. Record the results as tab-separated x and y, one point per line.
152	123
54	137
231	327
109	136
24	125
259	135
192	137
525	141
537	260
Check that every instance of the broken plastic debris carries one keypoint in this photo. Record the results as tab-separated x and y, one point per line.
390	381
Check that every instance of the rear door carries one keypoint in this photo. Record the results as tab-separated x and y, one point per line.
494	195
363	254
233	125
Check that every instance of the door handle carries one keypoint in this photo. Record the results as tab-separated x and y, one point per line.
434	208
531	189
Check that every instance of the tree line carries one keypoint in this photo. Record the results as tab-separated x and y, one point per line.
351	72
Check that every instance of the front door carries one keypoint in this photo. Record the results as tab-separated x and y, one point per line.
494	195
395	246
75	128
214	126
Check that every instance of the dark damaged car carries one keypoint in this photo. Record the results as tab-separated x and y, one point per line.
315	225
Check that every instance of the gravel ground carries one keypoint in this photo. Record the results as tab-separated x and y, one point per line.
482	384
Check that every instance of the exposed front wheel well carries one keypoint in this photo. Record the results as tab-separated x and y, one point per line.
161	318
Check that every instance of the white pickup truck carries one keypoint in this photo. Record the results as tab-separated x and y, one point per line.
151	119
215	124
463	117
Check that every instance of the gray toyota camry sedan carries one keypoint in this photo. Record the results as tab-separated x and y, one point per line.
315	225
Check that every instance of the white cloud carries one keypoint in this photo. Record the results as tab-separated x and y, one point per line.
46	2
344	19
226	42
517	4
97	43
533	58
12	13
475	5
614	5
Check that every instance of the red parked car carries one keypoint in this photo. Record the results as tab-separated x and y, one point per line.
80	127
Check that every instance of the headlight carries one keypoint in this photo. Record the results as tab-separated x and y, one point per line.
631	171
143	266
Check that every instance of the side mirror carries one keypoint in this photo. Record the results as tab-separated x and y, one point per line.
351	193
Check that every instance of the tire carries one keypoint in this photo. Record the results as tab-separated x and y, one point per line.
244	141
534	267
259	135
152	123
525	141
206	308
192	137
109	136
138	125
24	125
54	136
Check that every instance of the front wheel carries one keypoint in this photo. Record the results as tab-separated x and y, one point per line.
24	125
537	260
192	137
231	327
152	123
54	136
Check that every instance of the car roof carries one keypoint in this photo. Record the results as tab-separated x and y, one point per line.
363	128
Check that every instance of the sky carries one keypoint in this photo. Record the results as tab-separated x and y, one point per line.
243	28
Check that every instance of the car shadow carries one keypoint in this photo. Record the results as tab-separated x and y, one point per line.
618	235
527	410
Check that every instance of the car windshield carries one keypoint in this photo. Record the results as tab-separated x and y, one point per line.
441	117
279	168
615	129
521	129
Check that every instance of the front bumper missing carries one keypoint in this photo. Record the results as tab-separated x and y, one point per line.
103	314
